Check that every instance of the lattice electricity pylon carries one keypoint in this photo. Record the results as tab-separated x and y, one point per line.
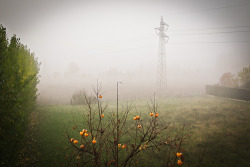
161	66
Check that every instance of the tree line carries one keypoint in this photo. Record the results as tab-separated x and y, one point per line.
18	92
241	80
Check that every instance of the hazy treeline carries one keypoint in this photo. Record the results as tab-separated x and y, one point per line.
241	80
18	80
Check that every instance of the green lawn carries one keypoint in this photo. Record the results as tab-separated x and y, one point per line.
220	125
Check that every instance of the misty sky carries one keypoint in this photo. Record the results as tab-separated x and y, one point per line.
105	38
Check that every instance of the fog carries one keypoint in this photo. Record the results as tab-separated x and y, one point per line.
80	42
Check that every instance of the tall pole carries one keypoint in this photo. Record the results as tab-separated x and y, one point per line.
161	66
117	125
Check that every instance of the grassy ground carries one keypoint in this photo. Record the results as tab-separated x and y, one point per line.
221	126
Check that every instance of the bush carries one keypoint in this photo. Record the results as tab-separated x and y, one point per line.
78	98
18	80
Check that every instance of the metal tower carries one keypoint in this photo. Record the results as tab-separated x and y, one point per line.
161	66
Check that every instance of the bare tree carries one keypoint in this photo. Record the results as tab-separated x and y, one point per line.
137	137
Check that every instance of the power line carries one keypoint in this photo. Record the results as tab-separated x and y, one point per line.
209	9
210	42
146	37
210	28
205	33
173	43
214	28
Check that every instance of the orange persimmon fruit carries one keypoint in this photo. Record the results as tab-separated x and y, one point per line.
100	96
151	114
75	141
94	141
102	115
179	162
156	115
178	154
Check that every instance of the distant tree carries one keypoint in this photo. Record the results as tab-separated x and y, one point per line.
78	98
228	80
244	77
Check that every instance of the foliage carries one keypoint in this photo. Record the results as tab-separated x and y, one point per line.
240	80
228	80
18	79
244	76
120	140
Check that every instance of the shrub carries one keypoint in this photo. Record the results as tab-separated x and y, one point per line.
78	98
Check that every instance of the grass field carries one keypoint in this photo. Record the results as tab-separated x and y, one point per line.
221	126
